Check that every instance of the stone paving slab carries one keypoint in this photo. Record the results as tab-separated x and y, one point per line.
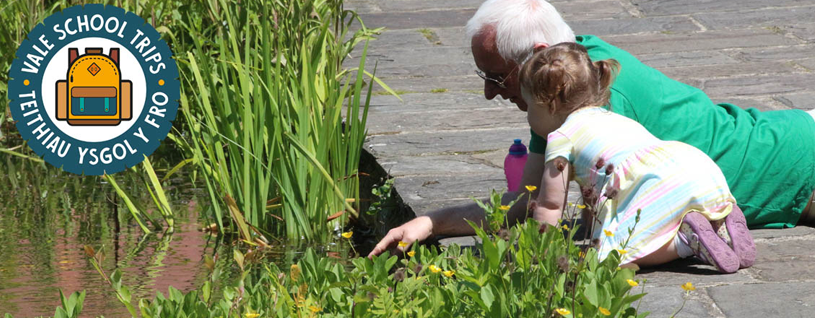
731	70
808	64
804	101
785	249
634	25
446	147
425	101
685	59
765	300
445	142
697	41
760	85
440	187
455	36
439	165
673	7
406	120
425	5
591	10
796	232
689	270
470	84
455	17
664	301
432	205
419	57
804	31
773	53
775	18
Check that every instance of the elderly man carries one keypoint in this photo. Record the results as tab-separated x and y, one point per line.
768	158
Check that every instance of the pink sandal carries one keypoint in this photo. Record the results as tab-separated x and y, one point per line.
733	231
697	233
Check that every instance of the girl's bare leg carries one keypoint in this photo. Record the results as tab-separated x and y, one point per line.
664	254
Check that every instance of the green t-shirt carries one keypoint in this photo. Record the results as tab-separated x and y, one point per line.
768	158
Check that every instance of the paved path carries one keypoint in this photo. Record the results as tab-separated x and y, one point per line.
444	142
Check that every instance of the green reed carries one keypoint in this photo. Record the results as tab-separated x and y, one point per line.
275	121
269	116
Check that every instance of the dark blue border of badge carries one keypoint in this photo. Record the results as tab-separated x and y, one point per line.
169	74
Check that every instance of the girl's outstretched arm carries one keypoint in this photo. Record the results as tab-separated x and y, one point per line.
552	195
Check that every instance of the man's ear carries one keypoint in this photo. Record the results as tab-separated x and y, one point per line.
539	46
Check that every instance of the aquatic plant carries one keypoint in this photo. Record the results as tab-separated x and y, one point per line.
548	275
270	115
264	90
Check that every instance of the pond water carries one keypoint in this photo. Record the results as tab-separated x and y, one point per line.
47	217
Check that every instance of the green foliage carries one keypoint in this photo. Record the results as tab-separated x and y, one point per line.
496	212
529	273
548	273
382	197
273	114
268	111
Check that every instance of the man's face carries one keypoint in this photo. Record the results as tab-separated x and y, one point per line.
487	59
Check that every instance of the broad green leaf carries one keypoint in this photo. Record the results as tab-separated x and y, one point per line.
487	297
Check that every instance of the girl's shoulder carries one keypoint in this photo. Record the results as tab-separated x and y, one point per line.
589	116
596	122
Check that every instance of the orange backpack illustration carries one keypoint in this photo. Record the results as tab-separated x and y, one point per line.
93	93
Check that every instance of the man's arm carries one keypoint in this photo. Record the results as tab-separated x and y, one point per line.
452	221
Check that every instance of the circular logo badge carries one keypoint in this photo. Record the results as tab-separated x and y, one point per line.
94	89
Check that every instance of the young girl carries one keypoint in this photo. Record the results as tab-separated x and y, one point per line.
623	168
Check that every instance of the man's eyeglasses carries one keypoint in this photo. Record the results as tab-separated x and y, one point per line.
499	82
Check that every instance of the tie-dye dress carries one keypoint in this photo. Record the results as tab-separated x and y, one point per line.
665	179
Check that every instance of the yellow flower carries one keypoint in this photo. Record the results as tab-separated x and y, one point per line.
565	227
315	309
622	251
434	269
688	287
563	311
411	253
604	311
581	254
403	244
348	234
633	283
608	233
531	188
449	273
251	315
570	204
581	206
503	207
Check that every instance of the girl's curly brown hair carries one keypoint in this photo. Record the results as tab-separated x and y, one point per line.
562	78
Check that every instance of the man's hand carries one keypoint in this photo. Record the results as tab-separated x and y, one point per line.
417	229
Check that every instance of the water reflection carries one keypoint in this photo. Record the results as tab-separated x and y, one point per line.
46	217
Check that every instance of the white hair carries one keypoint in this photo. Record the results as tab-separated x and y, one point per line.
519	25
